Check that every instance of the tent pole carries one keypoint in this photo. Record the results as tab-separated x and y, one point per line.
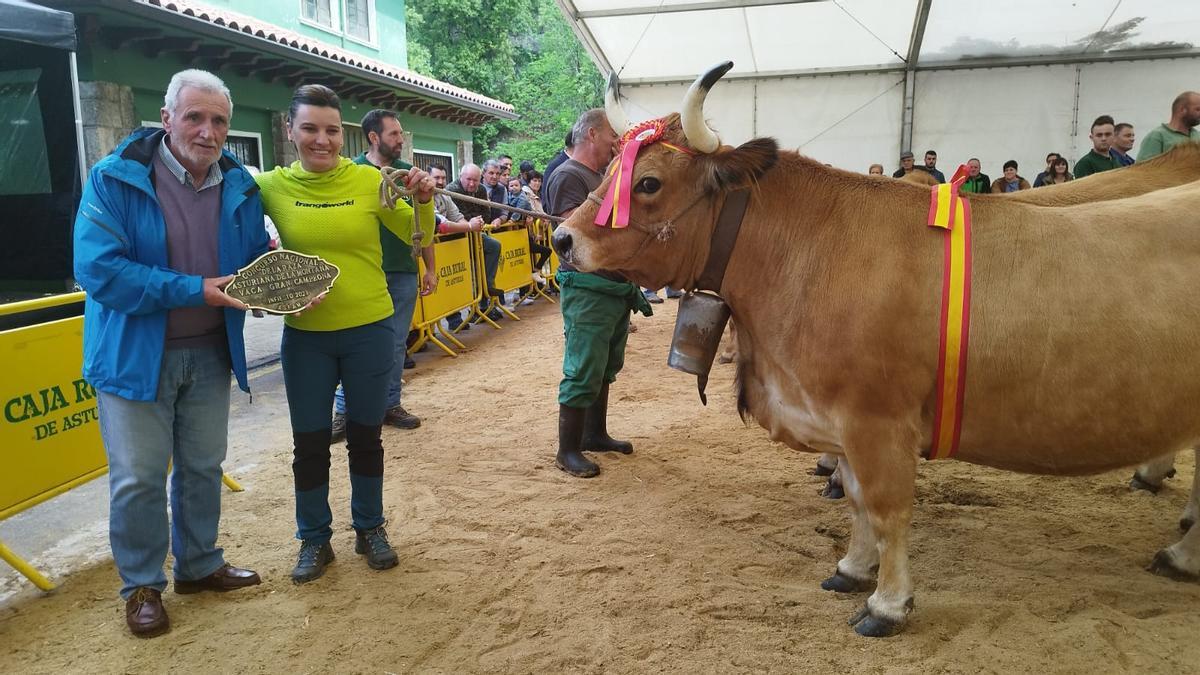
1075	113
920	19
906	115
83	168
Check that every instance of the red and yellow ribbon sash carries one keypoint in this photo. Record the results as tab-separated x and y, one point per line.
950	212
614	210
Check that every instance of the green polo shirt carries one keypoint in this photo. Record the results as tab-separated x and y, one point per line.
1161	139
1094	162
397	255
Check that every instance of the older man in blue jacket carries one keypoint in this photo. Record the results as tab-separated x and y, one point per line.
164	222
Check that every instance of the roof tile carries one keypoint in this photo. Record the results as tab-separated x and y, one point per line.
250	25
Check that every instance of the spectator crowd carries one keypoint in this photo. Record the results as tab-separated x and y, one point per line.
1112	148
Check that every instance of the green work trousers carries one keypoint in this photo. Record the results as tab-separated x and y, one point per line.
596	326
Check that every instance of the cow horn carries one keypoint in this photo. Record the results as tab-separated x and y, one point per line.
695	129
612	106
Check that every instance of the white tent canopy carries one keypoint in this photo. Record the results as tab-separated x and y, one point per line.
852	82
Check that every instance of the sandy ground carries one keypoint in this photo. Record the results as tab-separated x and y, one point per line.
701	552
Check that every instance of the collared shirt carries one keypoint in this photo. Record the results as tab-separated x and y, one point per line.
1162	138
1122	158
215	175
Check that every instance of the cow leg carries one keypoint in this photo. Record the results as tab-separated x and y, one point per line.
1150	476
834	489
730	352
1191	513
886	480
1180	560
855	572
826	464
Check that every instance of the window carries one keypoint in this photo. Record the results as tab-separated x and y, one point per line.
24	157
247	147
423	158
355	141
360	19
319	12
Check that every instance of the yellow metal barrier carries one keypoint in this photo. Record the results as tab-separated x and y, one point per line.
541	231
516	267
49	434
457	290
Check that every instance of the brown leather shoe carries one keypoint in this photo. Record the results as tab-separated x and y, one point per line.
145	614
226	578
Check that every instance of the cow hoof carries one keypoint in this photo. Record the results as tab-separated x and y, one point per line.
823	471
841	583
724	359
867	624
1164	566
1185	524
833	491
1136	483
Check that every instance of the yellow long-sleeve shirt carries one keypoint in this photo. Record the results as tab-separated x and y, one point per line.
336	215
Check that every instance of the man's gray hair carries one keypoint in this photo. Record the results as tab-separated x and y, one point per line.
468	168
198	79
491	164
592	119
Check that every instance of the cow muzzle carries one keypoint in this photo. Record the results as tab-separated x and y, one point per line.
563	243
698	328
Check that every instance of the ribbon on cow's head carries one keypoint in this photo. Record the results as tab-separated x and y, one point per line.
614	210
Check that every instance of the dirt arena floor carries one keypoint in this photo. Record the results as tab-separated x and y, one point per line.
700	553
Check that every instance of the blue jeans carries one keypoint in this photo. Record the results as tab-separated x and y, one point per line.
313	363
402	286
186	425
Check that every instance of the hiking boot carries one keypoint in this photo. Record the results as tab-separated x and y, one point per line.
339	428
401	418
374	544
409	363
312	561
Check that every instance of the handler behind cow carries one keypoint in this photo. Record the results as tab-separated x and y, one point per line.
595	308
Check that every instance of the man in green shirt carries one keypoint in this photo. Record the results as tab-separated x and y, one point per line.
386	139
1097	159
1185	115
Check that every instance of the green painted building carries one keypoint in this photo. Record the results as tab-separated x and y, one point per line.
263	49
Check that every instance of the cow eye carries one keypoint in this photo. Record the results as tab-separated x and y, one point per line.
649	185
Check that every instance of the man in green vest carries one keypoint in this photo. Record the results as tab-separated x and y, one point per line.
386	139
1185	116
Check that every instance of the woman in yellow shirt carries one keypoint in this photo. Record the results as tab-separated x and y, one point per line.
326	205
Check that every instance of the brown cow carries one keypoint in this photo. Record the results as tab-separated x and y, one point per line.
1083	353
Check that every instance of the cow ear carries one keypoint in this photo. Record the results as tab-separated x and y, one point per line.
743	165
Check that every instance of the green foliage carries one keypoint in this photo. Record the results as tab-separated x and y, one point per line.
518	51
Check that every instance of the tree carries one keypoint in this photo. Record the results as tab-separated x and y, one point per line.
518	51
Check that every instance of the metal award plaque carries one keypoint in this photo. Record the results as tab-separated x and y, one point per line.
282	281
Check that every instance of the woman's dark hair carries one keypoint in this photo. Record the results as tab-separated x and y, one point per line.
1063	161
1011	163
533	173
313	94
